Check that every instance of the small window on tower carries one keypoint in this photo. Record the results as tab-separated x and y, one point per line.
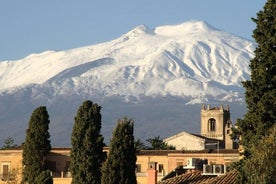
212	124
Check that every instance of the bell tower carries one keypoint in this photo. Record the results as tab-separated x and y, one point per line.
216	124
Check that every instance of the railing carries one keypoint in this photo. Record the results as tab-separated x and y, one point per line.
61	174
145	174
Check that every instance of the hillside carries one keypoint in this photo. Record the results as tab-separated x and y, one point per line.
155	76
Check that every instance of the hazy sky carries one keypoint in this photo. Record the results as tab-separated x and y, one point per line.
33	26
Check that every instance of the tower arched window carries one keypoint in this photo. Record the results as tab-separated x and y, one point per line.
212	124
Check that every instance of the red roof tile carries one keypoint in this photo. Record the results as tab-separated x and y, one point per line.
196	177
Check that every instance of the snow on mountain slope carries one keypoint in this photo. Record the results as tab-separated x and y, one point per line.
191	59
159	77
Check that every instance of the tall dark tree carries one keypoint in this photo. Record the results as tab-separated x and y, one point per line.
37	145
119	167
260	92
44	178
87	153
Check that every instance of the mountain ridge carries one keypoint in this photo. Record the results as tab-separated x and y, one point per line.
192	62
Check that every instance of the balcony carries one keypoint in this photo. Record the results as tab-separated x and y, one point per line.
61	174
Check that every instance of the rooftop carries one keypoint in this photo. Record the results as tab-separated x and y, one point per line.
196	177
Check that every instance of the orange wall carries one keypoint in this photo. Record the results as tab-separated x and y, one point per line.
167	159
14	159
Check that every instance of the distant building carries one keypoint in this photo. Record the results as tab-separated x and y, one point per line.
215	131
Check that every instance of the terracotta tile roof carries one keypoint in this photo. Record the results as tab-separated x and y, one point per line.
196	177
228	178
188	178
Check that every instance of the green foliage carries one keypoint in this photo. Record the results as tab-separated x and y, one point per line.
260	167
37	145
87	153
261	89
44	178
139	145
119	167
158	144
9	144
260	97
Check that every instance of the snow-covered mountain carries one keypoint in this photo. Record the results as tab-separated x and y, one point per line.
189	63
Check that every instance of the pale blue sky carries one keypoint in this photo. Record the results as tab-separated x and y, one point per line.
33	26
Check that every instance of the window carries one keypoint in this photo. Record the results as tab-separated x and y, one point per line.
138	167
5	169
212	124
160	168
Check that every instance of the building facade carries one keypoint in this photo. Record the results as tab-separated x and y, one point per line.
165	161
215	131
213	146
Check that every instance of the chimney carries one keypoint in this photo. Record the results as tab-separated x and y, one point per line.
152	173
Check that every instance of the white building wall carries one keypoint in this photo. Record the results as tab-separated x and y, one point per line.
186	141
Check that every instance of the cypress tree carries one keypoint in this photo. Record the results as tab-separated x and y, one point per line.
87	153
37	145
44	178
260	92
119	167
260	95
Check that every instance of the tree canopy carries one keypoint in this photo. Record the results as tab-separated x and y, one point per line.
158	144
9	144
262	164
44	178
260	92
87	153
119	167
37	145
260	96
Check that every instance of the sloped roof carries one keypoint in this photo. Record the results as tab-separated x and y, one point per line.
228	178
197	136
188	178
196	177
184	133
206	138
